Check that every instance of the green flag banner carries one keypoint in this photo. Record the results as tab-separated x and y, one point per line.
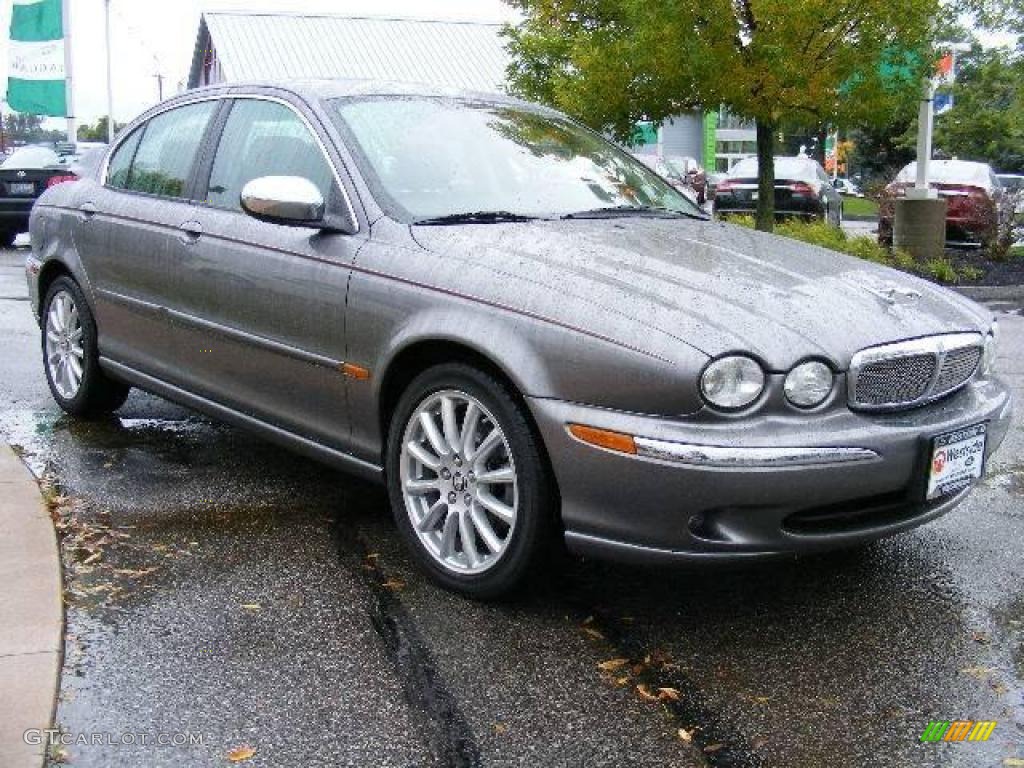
36	77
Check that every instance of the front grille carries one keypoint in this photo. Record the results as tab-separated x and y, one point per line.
910	373
958	367
895	381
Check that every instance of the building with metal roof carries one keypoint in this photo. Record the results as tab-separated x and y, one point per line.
238	46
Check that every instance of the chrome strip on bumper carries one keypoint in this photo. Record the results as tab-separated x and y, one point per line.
747	458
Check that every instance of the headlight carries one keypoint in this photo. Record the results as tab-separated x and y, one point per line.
988	356
732	382
809	384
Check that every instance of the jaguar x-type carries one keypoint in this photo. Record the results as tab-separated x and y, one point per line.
527	335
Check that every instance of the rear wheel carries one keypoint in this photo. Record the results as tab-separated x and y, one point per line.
468	484
71	356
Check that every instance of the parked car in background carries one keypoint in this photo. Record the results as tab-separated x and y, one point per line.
669	173
24	176
691	172
1013	186
847	187
522	332
802	190
973	194
713	179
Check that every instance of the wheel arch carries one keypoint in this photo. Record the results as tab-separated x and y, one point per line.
424	353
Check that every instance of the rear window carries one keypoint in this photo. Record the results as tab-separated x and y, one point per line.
29	158
950	172
785	168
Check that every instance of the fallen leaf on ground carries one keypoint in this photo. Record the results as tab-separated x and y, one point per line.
713	747
671	694
500	728
981	637
645	693
394	584
251	606
685	735
92	558
1013	761
238	754
593	633
612	664
133	573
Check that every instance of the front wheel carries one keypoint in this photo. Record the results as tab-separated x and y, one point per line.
468	482
71	355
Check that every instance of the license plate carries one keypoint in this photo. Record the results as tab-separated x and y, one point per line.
23	188
957	460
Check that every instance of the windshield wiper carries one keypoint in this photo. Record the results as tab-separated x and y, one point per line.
477	217
628	210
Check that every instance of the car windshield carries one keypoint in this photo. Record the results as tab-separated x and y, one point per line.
432	158
1012	183
29	158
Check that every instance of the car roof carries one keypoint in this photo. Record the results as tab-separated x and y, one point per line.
326	89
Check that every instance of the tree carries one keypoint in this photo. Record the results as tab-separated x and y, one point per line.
97	132
611	63
986	122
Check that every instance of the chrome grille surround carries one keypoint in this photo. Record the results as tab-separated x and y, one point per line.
908	374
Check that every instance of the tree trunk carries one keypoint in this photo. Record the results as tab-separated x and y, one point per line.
765	219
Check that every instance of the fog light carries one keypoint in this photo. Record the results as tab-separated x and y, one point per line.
809	384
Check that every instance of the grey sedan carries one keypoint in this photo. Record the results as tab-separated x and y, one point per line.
526	335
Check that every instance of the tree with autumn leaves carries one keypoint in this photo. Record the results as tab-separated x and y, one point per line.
612	63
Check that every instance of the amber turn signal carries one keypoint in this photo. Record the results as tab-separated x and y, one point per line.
603	438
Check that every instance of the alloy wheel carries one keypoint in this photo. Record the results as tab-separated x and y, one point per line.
65	356
459	482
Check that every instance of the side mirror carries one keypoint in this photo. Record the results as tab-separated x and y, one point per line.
290	200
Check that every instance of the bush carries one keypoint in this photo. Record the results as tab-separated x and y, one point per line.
863	247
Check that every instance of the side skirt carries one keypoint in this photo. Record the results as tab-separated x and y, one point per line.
297	443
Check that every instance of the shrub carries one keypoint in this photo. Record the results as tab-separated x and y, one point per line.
942	270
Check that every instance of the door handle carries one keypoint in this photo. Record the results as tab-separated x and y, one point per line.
88	210
191	232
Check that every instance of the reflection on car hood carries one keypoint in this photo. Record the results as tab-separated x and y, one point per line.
652	283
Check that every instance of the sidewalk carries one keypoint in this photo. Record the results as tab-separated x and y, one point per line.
31	615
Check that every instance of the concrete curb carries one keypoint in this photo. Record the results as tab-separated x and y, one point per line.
31	614
992	292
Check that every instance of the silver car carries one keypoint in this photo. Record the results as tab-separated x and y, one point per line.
525	334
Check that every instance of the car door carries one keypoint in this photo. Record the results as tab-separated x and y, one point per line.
266	302
131	236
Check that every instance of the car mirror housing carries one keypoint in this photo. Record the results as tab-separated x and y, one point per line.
289	200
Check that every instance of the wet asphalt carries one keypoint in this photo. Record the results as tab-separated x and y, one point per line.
224	588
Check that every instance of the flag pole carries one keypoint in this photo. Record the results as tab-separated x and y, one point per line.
110	78
68	79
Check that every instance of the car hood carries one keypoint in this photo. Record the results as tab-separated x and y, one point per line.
716	287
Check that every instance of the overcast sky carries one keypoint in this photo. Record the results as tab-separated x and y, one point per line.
151	36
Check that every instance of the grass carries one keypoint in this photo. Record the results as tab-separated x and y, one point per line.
860	206
864	247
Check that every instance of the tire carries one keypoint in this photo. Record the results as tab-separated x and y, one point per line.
7	239
507	555
67	318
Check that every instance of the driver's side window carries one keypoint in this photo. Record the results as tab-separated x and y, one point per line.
264	138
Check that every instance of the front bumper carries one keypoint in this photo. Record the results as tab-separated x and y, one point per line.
745	498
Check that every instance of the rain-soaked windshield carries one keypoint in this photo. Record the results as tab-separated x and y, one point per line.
431	158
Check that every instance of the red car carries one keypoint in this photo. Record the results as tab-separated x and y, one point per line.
973	197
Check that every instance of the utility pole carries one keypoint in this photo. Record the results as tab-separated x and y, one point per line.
68	78
110	77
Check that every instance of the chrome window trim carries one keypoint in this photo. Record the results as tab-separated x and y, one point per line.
939	346
223	97
748	457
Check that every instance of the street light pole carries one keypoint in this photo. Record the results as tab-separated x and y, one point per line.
110	79
925	125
